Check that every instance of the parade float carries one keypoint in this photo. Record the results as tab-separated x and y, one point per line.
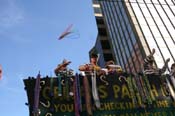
109	91
119	95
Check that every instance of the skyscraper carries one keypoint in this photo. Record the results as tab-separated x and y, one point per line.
135	27
102	45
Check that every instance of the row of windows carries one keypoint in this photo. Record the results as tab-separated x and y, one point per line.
156	20
102	31
105	44
100	21
158	26
169	2
110	23
97	10
121	33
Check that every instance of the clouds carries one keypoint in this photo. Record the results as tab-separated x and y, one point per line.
10	13
12	18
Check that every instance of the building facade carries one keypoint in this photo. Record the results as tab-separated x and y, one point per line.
135	27
102	45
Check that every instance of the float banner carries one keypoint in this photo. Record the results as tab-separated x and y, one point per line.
120	95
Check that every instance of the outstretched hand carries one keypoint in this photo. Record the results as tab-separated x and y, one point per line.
167	60
153	51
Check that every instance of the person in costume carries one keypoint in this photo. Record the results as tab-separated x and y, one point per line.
93	70
150	68
62	67
92	65
62	71
112	67
172	73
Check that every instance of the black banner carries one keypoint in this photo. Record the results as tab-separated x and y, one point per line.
120	95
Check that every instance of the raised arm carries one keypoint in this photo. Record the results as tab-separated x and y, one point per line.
149	58
165	66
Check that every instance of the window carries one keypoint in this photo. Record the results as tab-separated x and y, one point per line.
99	21
105	44
102	31
108	57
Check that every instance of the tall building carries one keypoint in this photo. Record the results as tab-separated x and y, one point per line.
102	45
135	27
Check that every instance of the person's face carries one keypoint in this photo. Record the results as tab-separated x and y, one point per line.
152	59
173	68
93	60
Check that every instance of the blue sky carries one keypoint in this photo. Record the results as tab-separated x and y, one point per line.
28	43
